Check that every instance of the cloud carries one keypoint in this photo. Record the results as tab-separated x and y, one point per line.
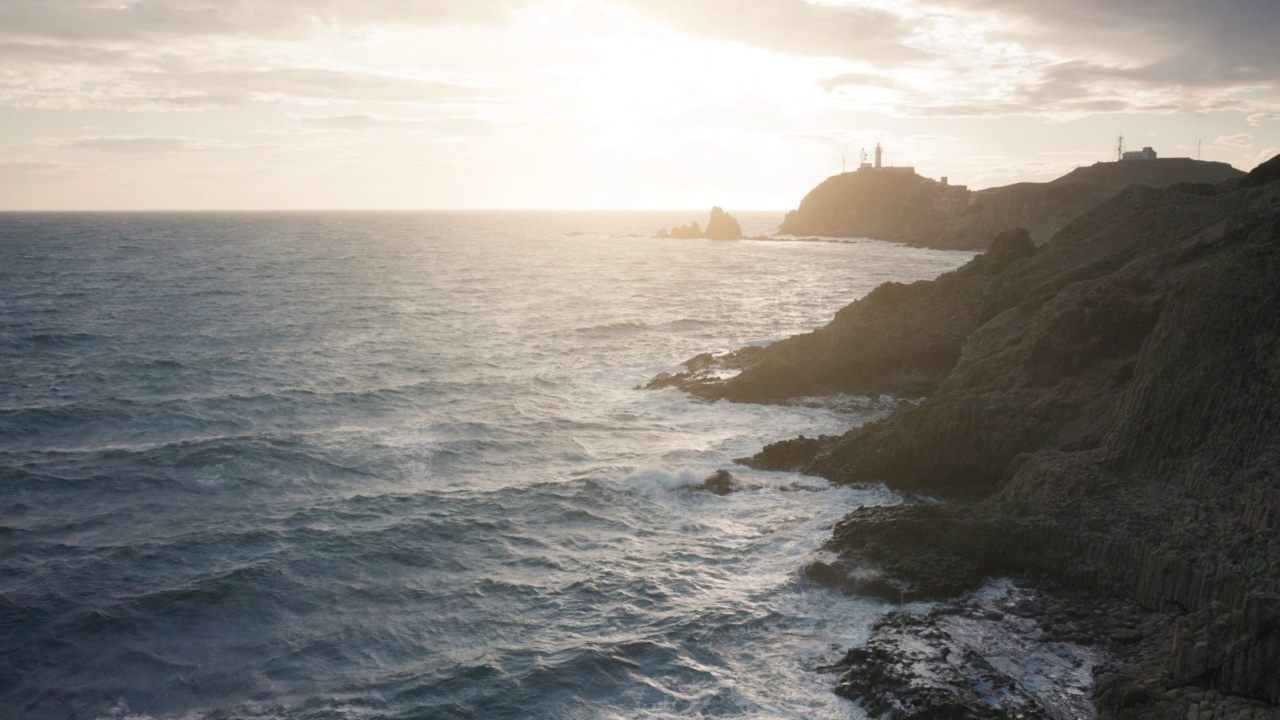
45	53
1265	155
23	169
913	57
1149	44
1257	119
1243	140
143	145
363	122
181	89
858	79
156	55
311	84
1048	58
796	27
158	20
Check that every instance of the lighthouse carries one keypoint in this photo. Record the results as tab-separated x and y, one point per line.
877	155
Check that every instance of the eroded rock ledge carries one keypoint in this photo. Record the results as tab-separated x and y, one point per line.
1103	413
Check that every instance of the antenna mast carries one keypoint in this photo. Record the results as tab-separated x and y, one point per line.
1197	148
1120	148
842	168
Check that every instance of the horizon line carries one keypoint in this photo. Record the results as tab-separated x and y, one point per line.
15	211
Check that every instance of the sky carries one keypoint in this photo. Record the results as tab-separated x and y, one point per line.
605	104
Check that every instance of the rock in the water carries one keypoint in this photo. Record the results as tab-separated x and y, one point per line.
682	232
720	482
722	226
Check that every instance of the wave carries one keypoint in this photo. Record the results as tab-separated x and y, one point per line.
66	338
628	327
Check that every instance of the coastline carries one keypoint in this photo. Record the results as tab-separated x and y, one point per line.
1098	422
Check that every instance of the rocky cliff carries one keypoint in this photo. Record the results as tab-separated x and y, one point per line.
903	207
1102	412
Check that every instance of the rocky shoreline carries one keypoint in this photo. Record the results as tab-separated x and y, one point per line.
1101	420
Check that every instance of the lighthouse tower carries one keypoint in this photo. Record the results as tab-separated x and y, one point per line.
878	155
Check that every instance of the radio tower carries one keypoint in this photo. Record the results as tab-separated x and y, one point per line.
1120	148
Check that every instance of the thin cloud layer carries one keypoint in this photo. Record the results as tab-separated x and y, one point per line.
958	57
364	122
141	145
1142	56
796	27
91	21
559	103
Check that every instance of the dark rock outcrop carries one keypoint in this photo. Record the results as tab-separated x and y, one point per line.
900	340
721	226
720	482
1009	655
1103	412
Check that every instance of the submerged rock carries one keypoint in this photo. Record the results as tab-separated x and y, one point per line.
720	482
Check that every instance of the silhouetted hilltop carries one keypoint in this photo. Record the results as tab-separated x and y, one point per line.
1101	412
890	204
1156	173
881	203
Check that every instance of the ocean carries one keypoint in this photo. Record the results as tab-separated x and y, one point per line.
399	465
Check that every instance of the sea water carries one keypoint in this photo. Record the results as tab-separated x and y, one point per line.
398	465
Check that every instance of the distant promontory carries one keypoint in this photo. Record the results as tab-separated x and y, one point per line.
899	205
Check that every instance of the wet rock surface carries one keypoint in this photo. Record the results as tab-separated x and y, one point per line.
720	482
998	654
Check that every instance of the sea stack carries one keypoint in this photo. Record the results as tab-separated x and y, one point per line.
721	226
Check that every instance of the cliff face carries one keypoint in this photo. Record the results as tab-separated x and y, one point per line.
1103	410
900	206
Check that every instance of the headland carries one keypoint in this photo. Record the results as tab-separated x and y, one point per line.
1096	416
899	205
